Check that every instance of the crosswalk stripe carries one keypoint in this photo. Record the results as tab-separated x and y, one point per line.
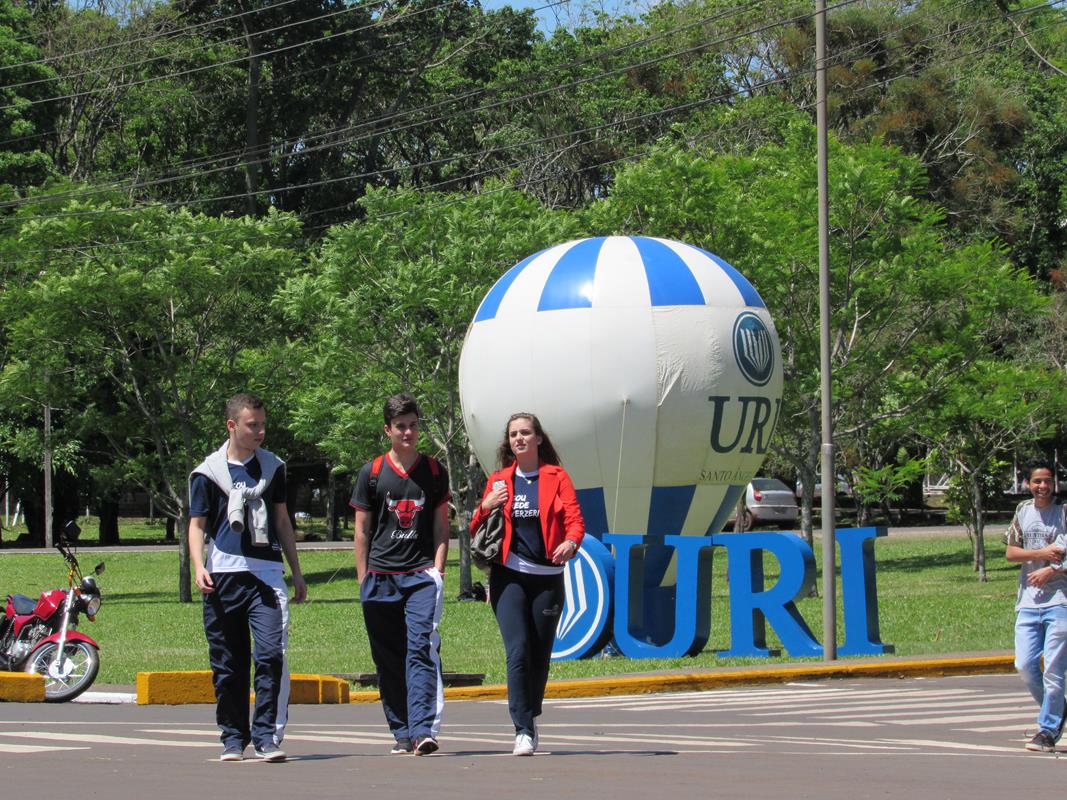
35	748
916	707
104	739
988	748
960	718
639	702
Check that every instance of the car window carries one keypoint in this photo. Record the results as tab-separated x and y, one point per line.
769	485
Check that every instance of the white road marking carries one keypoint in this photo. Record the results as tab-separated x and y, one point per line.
982	748
35	748
100	738
961	719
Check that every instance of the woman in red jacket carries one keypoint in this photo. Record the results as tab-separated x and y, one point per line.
543	529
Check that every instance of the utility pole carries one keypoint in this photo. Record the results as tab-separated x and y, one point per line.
829	484
47	468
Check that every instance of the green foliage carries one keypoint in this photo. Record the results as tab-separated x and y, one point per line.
888	483
386	304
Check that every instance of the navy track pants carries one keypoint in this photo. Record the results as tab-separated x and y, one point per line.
246	607
402	612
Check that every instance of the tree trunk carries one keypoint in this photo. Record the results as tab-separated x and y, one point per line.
109	522
185	587
333	530
170	529
979	531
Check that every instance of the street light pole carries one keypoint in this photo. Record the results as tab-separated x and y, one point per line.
829	484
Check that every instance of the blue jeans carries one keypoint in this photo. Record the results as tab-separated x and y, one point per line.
1042	632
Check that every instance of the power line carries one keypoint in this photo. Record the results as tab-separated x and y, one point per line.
305	148
460	156
216	65
1012	38
206	46
463	112
150	37
474	93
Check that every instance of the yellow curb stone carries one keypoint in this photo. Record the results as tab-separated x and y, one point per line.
700	681
21	687
179	688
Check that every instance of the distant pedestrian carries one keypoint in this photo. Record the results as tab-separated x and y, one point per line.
401	544
237	503
1037	538
543	529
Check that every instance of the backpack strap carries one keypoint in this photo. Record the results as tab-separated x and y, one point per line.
376	468
439	486
372	483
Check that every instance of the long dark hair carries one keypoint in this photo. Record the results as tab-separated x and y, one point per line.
545	451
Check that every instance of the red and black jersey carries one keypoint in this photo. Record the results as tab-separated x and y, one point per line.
402	506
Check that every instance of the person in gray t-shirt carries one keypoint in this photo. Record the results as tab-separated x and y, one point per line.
1037	538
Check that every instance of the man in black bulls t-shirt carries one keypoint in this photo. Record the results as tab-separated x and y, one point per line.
401	541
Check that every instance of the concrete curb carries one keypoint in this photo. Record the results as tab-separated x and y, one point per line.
180	688
699	681
21	687
176	688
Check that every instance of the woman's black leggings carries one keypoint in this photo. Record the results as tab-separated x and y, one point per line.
527	608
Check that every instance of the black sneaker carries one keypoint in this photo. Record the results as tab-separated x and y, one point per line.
232	753
425	746
270	753
1043	742
402	747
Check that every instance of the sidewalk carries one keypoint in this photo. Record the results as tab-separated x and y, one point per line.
703	679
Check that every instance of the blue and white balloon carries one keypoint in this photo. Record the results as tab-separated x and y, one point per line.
655	367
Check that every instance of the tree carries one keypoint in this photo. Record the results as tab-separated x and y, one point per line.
988	413
152	319
22	82
909	304
385	305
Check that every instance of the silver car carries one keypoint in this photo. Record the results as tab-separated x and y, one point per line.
768	502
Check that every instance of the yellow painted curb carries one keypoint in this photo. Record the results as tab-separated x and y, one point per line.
700	681
179	688
175	688
317	689
21	687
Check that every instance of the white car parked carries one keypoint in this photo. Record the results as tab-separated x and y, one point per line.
768	502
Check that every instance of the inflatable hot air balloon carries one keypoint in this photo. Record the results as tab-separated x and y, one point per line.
655	367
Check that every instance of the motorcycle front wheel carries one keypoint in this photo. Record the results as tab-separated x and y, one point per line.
74	674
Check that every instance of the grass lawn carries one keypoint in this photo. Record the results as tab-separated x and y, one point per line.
929	602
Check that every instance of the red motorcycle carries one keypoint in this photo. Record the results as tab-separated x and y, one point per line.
42	635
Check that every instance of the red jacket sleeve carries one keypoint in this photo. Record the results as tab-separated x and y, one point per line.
573	523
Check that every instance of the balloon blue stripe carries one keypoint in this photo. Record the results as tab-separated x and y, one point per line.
570	284
594	511
747	290
726	507
668	509
491	304
670	281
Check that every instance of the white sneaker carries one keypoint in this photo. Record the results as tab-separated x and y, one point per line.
524	745
536	736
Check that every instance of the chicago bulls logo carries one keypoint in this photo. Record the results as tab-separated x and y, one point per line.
405	510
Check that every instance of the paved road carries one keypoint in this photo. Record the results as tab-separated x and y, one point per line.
924	738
